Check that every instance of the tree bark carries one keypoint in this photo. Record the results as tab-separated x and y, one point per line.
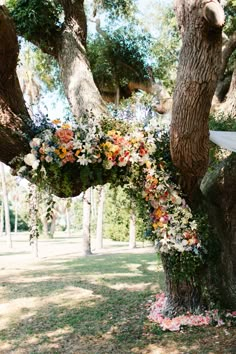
77	78
86	248
15	122
199	65
229	106
219	189
1	219
68	226
99	229
132	228
16	215
222	85
182	295
6	206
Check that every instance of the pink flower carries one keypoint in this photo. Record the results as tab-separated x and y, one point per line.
65	135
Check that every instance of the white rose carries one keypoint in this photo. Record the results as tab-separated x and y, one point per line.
35	142
48	158
29	159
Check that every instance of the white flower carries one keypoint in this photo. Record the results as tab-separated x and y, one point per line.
193	225
77	144
48	158
31	160
184	242
35	164
107	164
82	160
35	142
49	149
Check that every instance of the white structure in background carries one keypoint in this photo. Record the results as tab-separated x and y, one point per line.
226	140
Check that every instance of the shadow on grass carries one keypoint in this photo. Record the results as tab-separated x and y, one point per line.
94	317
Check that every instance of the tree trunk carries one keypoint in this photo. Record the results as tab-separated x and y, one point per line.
219	189
15	122
6	206
182	295
229	106
77	78
86	248
199	65
99	229
16	215
68	227
45	225
1	219
132	228
52	225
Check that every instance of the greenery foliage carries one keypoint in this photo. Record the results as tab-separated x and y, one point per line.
166	48
34	17
115	8
117	216
120	56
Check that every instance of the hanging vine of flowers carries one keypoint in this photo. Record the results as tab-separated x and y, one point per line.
131	158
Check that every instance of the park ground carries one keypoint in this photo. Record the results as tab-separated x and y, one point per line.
65	303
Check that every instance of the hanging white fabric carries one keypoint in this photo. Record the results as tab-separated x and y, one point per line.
226	140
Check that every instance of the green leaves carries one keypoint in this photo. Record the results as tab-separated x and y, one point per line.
35	18
120	57
115	8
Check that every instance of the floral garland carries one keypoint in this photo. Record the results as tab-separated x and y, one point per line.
173	226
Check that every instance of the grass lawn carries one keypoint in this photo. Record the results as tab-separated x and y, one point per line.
93	305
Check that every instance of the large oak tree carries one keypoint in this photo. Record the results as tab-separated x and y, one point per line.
200	23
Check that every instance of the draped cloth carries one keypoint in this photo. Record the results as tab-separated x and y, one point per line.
226	140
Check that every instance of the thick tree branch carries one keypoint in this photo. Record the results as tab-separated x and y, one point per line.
80	89
228	50
15	122
75	19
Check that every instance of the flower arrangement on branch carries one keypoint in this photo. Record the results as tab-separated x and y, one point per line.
96	154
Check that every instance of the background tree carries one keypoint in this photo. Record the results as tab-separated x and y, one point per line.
6	206
86	235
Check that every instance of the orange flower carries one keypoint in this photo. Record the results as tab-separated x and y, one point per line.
56	121
65	135
66	126
158	212
77	152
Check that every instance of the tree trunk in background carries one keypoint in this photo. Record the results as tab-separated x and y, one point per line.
52	226
16	215
68	228
99	229
229	106
86	242
80	89
1	219
94	203
132	228
45	226
6	206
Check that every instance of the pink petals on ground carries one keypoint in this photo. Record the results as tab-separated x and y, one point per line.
178	322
